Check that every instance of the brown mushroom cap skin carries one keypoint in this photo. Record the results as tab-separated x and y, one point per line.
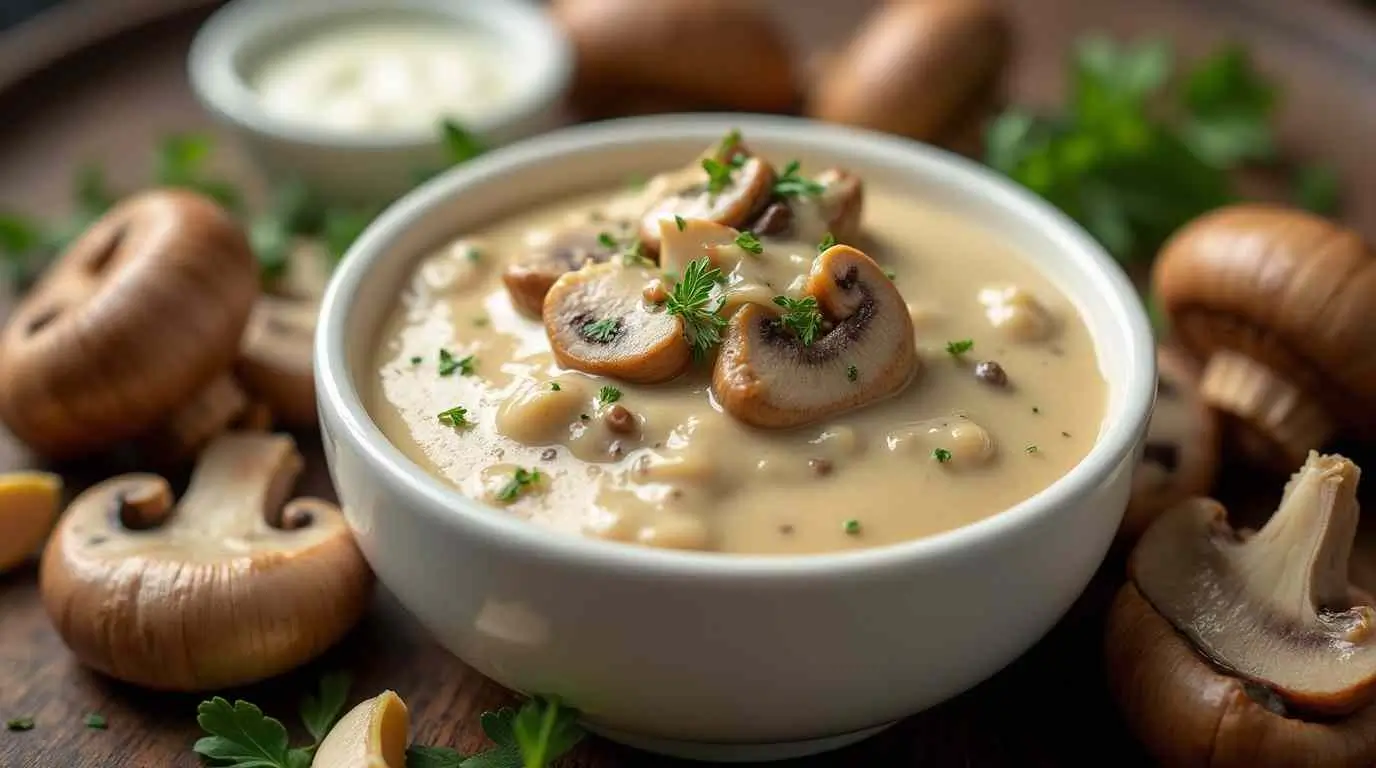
641	343
765	377
925	70
529	277
1181	456
139	314
745	197
230	585
721	53
1277	304
1188	713
274	363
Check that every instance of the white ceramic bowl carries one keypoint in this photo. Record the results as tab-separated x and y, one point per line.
712	655
350	167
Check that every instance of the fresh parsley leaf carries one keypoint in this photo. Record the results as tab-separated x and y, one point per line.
460	145
801	316
545	730
180	161
92	192
19	724
692	300
791	183
607	241
18	235
95	721
680	223
449	364
522	480
827	241
633	255
726	149
1032	448
418	756
554	386
941	455
958	348
608	395
240	734
454	417
272	243
602	331
852	373
1229	106
852	527
1316	189
748	242
718	175
341	227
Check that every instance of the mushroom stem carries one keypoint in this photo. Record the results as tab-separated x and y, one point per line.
1279	420
209	413
237	473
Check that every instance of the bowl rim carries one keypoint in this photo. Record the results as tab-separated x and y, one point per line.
240	24
339	396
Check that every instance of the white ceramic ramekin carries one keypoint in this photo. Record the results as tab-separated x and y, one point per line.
350	167
710	655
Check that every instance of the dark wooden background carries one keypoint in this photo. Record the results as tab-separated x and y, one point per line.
110	101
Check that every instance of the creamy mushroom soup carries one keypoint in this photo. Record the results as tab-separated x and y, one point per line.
697	363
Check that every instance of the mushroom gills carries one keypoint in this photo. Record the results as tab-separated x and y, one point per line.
598	322
1274	608
529	277
767	377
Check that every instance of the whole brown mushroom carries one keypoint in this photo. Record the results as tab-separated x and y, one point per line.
1277	304
274	363
1180	458
140	318
232	584
1228	649
930	70
676	55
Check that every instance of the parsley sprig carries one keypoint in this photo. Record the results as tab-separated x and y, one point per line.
960	347
239	734
693	301
522	481
608	395
792	183
602	331
801	316
455	417
534	736
449	364
748	242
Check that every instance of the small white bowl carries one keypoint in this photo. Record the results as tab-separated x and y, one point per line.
709	655
351	167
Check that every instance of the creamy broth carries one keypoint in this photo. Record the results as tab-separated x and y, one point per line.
664	465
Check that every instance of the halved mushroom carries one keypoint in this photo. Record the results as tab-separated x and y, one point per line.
740	189
1180	459
371	735
275	359
142	313
837	210
232	584
1228	649
530	277
768	377
598	322
28	507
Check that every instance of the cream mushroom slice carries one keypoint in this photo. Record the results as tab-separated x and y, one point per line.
601	418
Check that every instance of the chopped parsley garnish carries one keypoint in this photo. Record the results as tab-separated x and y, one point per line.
827	241
522	480
749	243
718	175
631	251
19	724
680	223
958	348
449	364
729	142
1032	448
481	321
608	395
472	253
941	455
96	721
417	360
607	241
692	300
889	273
455	417
852	373
583	417
792	183
603	331
554	386
851	527
801	316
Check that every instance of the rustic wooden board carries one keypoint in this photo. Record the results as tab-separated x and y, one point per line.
101	80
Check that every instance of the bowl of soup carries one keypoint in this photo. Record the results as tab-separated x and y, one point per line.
746	436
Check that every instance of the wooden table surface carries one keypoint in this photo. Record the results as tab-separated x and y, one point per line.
1048	708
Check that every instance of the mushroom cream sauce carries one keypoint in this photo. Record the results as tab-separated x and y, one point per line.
948	449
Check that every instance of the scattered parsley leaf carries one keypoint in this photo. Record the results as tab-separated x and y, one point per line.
241	735
852	373
602	331
889	273
958	348
460	145
726	149
554	386
1228	106
418	756
454	417
680	223
851	527
718	175
801	316
828	240
417	360
748	242
608	395
449	364
522	480
1031	449
544	730
19	724
692	300
1316	189
791	183
95	721
633	255
941	455
341	227
180	161
607	241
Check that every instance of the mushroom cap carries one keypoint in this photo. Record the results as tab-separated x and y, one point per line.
719	53
766	377
371	735
275	365
918	69
1286	289
231	585
1180	459
1273	608
139	314
28	506
529	277
749	192
1188	712
598	321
